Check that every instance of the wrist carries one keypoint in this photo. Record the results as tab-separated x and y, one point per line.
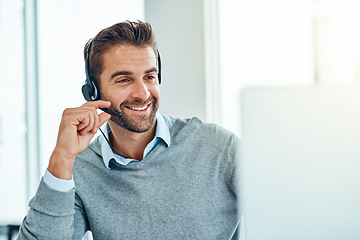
61	165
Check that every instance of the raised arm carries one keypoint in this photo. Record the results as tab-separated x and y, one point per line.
57	214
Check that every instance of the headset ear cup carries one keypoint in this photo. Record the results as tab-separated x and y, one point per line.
95	91
87	92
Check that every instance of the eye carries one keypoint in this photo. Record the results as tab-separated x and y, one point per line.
150	77
121	80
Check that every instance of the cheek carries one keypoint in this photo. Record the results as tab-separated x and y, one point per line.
155	92
115	97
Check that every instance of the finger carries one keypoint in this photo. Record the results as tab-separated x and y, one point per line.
96	122
91	116
83	120
98	104
81	126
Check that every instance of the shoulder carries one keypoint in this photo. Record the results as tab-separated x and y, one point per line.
200	127
198	130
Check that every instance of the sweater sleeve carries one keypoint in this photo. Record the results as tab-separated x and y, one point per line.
236	159
51	216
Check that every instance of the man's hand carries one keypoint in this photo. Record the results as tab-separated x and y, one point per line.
77	128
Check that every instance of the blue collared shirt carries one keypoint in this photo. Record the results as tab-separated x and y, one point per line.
163	126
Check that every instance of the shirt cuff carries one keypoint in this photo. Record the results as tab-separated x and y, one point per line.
57	183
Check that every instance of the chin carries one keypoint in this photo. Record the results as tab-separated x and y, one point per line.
138	125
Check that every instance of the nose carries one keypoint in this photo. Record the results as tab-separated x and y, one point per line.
140	91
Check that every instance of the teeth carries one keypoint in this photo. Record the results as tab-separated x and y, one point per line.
138	108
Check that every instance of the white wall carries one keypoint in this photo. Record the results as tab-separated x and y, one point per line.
179	28
263	43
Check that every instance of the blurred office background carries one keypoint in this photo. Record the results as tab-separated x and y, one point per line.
210	50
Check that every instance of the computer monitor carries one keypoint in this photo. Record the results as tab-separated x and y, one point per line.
300	164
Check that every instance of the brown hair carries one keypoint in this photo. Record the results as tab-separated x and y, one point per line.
137	34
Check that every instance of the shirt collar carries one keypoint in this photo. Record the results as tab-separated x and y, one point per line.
162	133
162	129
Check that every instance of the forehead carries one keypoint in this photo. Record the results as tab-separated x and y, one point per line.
128	55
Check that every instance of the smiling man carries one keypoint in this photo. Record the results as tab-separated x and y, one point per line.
148	176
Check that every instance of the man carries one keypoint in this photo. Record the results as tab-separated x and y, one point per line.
148	176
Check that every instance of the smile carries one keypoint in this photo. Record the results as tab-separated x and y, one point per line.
138	108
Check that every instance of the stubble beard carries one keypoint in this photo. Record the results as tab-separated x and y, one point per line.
137	124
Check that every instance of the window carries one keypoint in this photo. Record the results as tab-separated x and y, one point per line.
12	115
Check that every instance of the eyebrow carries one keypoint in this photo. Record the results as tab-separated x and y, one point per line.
120	73
154	69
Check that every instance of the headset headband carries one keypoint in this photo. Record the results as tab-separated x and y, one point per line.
90	89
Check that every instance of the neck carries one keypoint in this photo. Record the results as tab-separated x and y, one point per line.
130	144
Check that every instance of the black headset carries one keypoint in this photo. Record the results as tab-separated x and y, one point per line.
90	89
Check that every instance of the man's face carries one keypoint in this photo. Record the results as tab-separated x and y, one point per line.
129	81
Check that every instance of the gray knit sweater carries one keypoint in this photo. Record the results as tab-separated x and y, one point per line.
185	191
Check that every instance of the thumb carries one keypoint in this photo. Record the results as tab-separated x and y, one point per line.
104	117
